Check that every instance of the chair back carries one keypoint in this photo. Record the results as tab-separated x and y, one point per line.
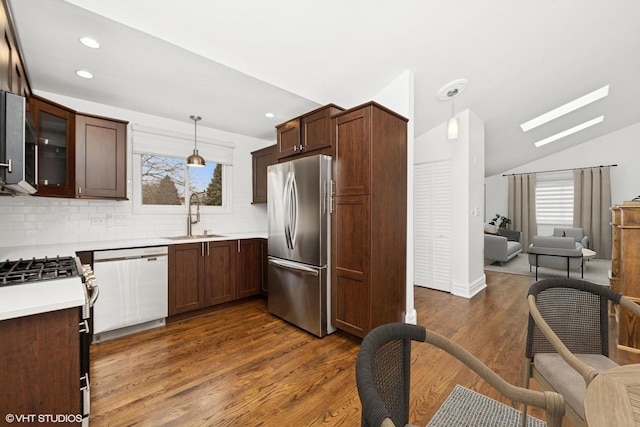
576	311
383	373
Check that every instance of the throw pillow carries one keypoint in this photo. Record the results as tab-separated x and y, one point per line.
511	235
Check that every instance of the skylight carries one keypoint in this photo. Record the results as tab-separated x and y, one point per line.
565	109
569	131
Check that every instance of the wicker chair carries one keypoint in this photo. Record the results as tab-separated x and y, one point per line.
383	376
568	338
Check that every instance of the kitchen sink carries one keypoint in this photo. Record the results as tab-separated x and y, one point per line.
195	236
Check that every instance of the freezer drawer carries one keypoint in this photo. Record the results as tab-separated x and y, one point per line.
300	294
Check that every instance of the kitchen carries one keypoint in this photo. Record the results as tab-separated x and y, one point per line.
199	232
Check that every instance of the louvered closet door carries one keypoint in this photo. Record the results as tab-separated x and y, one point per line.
432	225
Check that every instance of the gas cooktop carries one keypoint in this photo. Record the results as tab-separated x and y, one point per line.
37	269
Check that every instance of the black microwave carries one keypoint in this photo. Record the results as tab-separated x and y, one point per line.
18	146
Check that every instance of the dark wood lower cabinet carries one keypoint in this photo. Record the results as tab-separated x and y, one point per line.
40	364
186	293
206	274
220	272
249	267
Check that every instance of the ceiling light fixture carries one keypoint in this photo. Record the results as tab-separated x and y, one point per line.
566	108
569	131
448	92
90	42
269	115
195	160
84	74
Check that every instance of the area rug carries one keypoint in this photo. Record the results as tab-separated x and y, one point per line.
466	408
595	270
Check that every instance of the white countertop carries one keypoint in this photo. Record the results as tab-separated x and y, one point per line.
40	297
70	249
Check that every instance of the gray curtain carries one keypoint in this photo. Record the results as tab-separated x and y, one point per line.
522	206
591	203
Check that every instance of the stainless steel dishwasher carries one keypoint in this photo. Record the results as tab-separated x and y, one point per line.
133	291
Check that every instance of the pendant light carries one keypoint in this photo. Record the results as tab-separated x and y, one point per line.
446	93
195	160
452	124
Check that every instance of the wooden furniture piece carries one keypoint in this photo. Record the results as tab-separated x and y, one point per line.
79	155
209	273
100	157
383	376
306	135
40	364
13	75
625	269
368	223
567	338
248	267
261	159
613	398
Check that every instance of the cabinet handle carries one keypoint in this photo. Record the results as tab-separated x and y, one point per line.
238	245
295	148
301	147
79	190
202	249
207	248
84	327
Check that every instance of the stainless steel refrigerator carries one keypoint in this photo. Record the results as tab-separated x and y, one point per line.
298	202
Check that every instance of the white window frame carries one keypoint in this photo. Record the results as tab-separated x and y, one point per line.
563	184
172	144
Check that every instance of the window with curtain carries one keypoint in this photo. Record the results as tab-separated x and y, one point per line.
163	183
554	198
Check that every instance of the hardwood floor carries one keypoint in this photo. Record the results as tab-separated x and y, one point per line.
242	366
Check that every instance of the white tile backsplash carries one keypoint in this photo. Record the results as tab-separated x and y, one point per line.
29	220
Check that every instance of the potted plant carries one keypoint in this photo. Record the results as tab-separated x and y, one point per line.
500	221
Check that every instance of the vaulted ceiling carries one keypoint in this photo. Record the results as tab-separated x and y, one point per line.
232	62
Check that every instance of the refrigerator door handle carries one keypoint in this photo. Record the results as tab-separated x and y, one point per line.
286	211
294	266
293	221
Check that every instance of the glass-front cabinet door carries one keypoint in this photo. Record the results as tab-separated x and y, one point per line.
55	130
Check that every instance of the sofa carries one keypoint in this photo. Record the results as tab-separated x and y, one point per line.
502	246
576	233
562	253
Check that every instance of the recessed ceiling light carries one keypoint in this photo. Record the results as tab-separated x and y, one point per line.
84	74
270	115
566	108
90	42
569	131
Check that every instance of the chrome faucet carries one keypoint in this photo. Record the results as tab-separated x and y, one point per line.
190	221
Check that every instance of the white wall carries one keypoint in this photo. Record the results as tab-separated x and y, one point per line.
467	157
620	147
28	220
399	97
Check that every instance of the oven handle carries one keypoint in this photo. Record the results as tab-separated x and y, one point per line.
94	295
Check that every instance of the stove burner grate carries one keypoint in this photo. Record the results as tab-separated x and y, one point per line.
36	270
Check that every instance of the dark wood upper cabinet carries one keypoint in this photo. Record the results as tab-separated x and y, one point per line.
306	135
55	127
101	158
79	155
261	159
13	72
